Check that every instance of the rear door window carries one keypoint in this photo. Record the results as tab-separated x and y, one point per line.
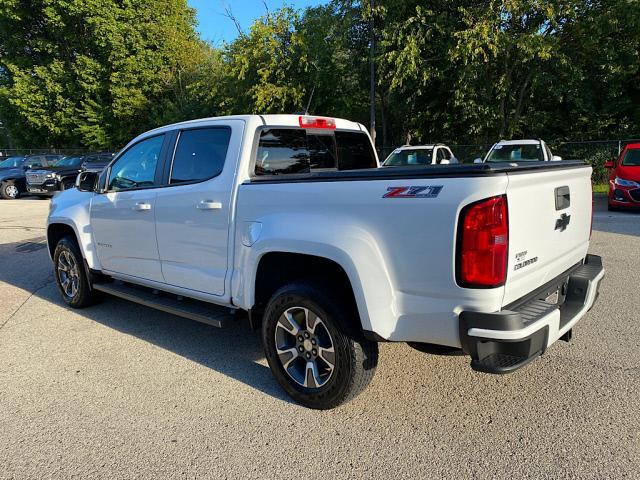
200	154
284	151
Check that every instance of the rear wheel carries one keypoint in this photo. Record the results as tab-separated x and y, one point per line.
309	352
70	274
9	191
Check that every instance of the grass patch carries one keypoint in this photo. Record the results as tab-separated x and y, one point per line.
600	188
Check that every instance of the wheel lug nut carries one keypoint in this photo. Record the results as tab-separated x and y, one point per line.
306	334
314	351
300	338
308	355
300	348
313	342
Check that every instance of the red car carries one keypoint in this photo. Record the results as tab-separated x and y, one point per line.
624	179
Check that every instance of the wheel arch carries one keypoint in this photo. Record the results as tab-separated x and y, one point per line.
278	268
56	232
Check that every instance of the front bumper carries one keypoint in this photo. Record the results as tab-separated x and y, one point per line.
504	341
625	197
49	188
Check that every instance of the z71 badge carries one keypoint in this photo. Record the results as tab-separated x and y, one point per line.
430	191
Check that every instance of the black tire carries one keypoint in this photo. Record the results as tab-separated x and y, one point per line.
355	358
66	185
611	208
9	190
81	296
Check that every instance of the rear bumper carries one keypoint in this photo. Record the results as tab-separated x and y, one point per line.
504	341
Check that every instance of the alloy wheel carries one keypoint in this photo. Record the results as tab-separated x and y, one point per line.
12	191
305	347
68	274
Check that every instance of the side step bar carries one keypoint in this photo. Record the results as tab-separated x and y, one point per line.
188	308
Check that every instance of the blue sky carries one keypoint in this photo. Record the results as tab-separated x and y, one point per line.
215	27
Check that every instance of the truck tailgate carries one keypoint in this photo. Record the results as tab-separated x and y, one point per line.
549	226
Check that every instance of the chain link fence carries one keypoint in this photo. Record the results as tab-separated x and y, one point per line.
16	152
595	153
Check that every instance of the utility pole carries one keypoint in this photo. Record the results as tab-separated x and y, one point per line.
372	69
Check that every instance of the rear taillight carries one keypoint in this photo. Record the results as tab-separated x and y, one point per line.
483	243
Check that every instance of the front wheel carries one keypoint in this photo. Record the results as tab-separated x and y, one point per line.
9	191
67	185
309	352
70	275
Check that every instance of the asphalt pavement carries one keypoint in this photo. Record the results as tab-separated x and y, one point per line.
123	391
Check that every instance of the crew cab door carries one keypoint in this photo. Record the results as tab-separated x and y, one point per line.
193	212
123	217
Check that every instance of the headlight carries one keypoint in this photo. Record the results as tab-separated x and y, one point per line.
50	175
626	183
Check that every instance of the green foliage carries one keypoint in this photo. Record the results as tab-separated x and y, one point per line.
91	72
95	73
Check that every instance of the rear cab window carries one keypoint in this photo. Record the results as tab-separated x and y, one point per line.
283	151
200	154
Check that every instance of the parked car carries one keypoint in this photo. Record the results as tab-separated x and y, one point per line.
289	220
624	179
437	154
519	151
96	162
12	173
57	176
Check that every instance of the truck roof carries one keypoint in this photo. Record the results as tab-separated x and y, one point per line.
519	142
281	120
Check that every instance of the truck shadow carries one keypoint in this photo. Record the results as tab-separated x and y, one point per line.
234	350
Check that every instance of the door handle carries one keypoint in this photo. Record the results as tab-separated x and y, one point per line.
142	206
209	205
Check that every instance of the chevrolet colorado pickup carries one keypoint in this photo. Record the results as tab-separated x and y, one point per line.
288	221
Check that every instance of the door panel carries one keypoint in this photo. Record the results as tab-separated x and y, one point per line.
125	233
123	218
193	215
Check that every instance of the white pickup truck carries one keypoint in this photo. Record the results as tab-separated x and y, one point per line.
519	151
288	221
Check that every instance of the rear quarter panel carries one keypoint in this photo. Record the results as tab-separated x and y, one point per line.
398	252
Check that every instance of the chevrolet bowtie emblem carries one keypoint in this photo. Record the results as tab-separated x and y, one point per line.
563	222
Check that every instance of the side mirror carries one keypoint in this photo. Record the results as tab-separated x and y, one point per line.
87	181
477	160
556	158
608	164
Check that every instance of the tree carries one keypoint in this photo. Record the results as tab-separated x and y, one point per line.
91	72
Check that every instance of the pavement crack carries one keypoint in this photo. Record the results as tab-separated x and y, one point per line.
13	314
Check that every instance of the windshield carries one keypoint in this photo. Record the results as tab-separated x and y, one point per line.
632	158
415	156
67	162
516	153
11	162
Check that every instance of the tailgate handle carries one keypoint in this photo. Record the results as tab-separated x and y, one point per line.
563	198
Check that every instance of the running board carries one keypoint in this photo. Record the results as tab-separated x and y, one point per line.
208	313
